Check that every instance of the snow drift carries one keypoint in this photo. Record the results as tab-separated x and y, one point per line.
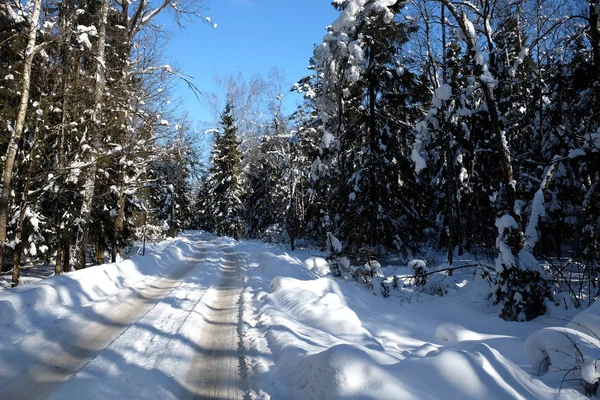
311	336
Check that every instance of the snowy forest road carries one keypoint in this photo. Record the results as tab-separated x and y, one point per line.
176	337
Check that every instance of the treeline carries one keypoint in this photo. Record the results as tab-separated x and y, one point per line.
458	125
93	154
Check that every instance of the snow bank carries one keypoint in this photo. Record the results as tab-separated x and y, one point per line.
573	351
311	304
347	371
561	350
317	265
453	333
588	321
8	314
29	305
309	336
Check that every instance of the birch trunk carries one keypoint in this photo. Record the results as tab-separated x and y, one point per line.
13	143
494	117
83	231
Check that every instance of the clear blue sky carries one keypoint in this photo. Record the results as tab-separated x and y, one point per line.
251	36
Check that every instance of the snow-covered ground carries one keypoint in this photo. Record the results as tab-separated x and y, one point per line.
309	335
29	274
168	325
138	329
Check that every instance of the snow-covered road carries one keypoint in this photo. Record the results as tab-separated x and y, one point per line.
173	336
201	317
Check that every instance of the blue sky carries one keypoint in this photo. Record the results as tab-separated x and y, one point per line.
251	36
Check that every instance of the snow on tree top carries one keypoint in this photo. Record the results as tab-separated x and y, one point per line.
443	93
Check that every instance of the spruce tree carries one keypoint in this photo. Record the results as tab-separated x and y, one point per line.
225	179
367	109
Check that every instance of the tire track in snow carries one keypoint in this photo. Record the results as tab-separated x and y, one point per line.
176	338
55	364
217	372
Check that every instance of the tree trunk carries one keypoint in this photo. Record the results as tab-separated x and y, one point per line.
144	233
450	182
373	145
99	250
58	268
119	218
83	230
450	188
16	273
503	152
24	206
500	140
13	143
66	243
62	259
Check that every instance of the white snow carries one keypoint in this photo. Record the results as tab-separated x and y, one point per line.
564	352
305	334
417	264
538	209
326	140
576	153
317	265
505	259
309	336
572	351
420	163
90	30
356	51
415	155
443	93
84	39
336	245
518	61
84	33
64	322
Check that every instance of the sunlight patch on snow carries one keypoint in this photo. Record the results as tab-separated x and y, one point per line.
329	338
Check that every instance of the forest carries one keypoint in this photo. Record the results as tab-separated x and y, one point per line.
425	125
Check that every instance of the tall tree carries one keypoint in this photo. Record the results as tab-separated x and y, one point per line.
225	189
17	131
367	112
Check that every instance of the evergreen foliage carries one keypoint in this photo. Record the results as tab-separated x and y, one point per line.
224	194
423	124
82	105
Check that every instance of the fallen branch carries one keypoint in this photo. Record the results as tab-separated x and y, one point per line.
489	267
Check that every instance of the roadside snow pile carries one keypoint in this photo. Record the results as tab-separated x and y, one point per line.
318	265
346	371
307	335
571	352
450	332
50	299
